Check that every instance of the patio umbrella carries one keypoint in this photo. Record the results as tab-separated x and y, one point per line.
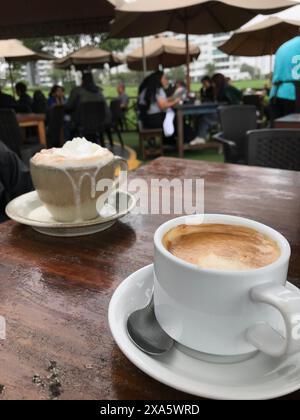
36	18
161	51
13	50
89	57
143	17
262	38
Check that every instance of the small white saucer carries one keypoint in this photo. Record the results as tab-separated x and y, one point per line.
259	378
29	210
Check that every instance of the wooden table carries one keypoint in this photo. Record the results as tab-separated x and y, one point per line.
34	120
290	121
54	292
193	110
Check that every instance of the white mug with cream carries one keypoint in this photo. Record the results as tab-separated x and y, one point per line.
66	178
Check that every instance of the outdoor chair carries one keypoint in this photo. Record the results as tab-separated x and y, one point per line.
236	121
92	121
129	123
258	102
10	135
117	115
150	141
274	148
55	135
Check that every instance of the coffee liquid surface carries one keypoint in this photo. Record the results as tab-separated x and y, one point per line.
222	247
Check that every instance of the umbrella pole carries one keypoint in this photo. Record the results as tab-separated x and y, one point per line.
188	80
11	80
144	58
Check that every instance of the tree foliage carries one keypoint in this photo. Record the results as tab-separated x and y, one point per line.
177	73
253	72
210	69
74	42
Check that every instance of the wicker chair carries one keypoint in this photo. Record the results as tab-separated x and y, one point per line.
274	149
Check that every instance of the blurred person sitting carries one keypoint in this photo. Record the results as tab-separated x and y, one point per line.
56	96
7	101
124	103
153	103
122	96
222	93
286	73
24	103
170	89
180	90
39	103
207	90
15	178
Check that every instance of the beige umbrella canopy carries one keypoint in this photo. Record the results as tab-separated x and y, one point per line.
36	18
14	50
89	57
143	17
262	38
161	51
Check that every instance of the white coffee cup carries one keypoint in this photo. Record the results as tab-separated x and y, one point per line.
226	313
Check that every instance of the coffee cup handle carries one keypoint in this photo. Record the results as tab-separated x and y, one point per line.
262	335
122	164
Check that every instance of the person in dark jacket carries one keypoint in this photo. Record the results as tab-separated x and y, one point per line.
7	101
224	92
24	103
207	90
86	93
39	103
15	178
56	96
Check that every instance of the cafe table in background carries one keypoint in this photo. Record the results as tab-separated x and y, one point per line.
34	120
55	292
193	110
288	122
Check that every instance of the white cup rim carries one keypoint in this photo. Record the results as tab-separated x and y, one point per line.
226	219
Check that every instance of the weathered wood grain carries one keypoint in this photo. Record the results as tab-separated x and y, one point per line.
54	292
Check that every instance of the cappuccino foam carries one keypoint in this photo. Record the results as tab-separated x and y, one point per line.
78	152
221	247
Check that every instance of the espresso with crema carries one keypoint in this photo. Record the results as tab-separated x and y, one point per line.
222	247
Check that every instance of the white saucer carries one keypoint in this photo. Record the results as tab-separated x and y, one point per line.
259	378
29	210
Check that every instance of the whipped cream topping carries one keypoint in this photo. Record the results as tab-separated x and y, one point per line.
75	153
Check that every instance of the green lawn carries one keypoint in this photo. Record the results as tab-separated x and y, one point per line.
110	91
131	140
